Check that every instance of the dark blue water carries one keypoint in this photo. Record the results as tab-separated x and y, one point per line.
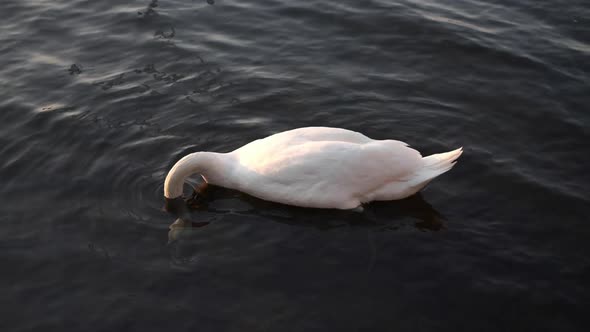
100	98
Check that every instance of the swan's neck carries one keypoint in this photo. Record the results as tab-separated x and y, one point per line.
213	167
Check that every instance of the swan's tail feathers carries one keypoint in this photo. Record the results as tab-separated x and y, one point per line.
435	165
442	162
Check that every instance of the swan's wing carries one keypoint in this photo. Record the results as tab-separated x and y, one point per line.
328	170
266	149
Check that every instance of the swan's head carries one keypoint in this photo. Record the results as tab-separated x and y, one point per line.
180	206
173	185
210	165
198	162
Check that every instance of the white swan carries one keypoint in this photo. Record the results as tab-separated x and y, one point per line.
316	167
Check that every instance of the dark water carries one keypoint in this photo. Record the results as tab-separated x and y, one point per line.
100	98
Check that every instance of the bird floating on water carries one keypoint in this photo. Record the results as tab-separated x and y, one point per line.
315	167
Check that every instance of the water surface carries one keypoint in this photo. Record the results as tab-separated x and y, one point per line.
100	98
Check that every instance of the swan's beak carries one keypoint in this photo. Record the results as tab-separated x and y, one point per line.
176	206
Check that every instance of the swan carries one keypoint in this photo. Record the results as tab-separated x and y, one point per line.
314	167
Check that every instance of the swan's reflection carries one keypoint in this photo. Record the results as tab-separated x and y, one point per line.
181	227
185	237
380	215
181	252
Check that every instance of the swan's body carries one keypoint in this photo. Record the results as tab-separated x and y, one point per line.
316	167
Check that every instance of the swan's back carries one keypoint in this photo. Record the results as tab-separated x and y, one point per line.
319	134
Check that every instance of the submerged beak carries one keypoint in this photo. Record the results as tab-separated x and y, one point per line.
176	206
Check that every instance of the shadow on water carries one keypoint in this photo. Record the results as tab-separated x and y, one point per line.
379	216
